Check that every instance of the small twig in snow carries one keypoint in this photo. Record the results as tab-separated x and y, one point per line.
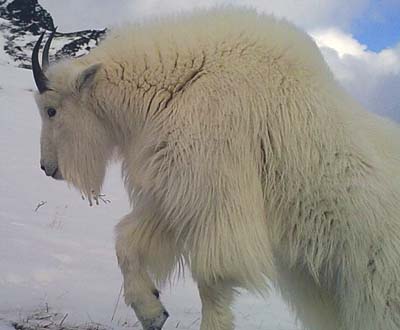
63	319
43	317
105	201
89	318
116	305
96	198
194	322
40	205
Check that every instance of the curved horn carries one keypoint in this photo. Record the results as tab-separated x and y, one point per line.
45	55
40	78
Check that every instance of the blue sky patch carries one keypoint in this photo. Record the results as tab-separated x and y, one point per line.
379	26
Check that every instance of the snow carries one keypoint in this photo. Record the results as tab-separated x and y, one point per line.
56	251
5	326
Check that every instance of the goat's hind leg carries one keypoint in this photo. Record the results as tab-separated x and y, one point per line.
314	306
216	302
138	246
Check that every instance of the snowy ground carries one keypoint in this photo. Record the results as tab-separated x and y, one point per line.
57	252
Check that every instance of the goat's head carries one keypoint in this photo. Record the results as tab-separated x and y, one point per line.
75	144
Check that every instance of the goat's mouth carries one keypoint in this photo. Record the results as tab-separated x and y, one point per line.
57	175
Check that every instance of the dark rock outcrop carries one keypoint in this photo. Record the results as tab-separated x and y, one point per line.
21	23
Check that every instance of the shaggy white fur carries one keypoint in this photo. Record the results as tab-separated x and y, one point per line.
243	159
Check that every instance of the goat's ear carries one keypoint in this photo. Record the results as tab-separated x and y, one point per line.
86	77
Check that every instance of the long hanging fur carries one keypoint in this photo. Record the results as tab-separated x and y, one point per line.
254	163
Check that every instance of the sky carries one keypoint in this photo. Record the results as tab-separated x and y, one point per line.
360	39
379	26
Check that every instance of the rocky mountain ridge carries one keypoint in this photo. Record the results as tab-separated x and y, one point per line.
21	23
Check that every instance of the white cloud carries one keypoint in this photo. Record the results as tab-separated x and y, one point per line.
74	14
311	13
372	77
341	42
305	13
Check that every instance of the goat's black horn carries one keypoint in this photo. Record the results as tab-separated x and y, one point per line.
45	55
38	75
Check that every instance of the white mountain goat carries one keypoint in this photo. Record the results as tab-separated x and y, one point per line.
243	159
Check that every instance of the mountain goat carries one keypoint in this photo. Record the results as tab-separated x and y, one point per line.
243	159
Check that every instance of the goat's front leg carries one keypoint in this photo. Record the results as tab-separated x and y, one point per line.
142	295
216	302
135	252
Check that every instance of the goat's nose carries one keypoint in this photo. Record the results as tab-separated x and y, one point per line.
47	169
50	169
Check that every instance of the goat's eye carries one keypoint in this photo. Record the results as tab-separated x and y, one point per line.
51	112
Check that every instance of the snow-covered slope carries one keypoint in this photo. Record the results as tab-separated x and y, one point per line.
55	250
